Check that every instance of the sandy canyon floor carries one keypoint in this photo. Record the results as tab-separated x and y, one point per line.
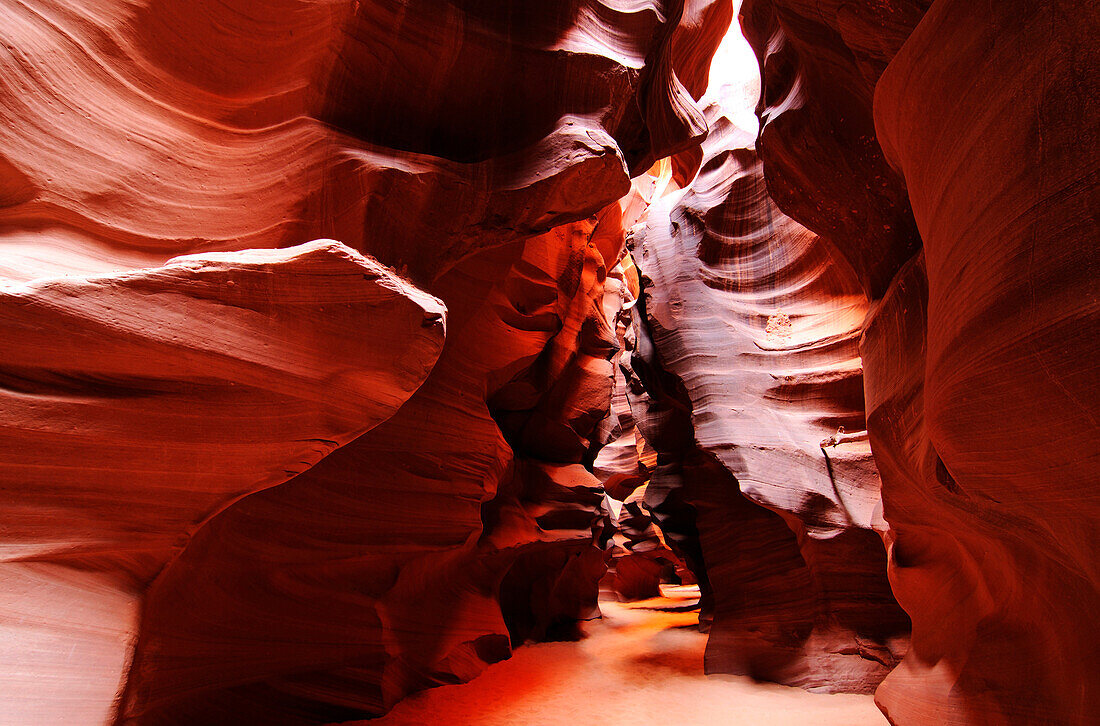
641	665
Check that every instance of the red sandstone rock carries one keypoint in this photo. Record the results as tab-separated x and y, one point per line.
412	132
977	349
757	322
381	567
137	405
618	464
824	167
640	560
157	565
997	483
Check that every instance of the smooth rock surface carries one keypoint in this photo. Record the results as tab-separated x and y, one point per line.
328	379
753	326
1000	487
980	343
137	405
145	394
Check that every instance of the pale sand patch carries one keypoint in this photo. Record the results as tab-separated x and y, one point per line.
638	667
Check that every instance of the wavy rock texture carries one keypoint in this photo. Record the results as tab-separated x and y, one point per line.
381	568
1004	194
619	464
756	324
979	351
246	480
138	404
820	61
640	560
135	132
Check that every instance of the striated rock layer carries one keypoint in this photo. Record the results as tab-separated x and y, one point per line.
183	539
136	405
380	568
981	341
640	559
315	318
752	327
819	63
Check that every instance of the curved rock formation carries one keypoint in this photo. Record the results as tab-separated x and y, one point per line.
136	405
618	464
135	132
252	478
381	567
824	166
757	323
1000	484
977	351
640	560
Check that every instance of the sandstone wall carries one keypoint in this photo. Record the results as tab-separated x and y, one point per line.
980	342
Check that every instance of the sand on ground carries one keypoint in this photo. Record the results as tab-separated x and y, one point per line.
641	665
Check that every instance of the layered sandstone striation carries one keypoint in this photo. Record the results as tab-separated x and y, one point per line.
980	342
640	559
198	527
751	368
328	378
819	63
138	404
419	552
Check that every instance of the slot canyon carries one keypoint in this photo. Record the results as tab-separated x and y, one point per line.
480	362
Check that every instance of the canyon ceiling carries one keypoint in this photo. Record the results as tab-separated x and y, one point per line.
349	343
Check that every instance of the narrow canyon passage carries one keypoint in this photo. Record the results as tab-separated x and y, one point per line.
356	354
641	664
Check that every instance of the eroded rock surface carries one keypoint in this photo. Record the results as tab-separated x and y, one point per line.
824	165
385	568
753	325
316	322
138	404
980	342
640	560
147	393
